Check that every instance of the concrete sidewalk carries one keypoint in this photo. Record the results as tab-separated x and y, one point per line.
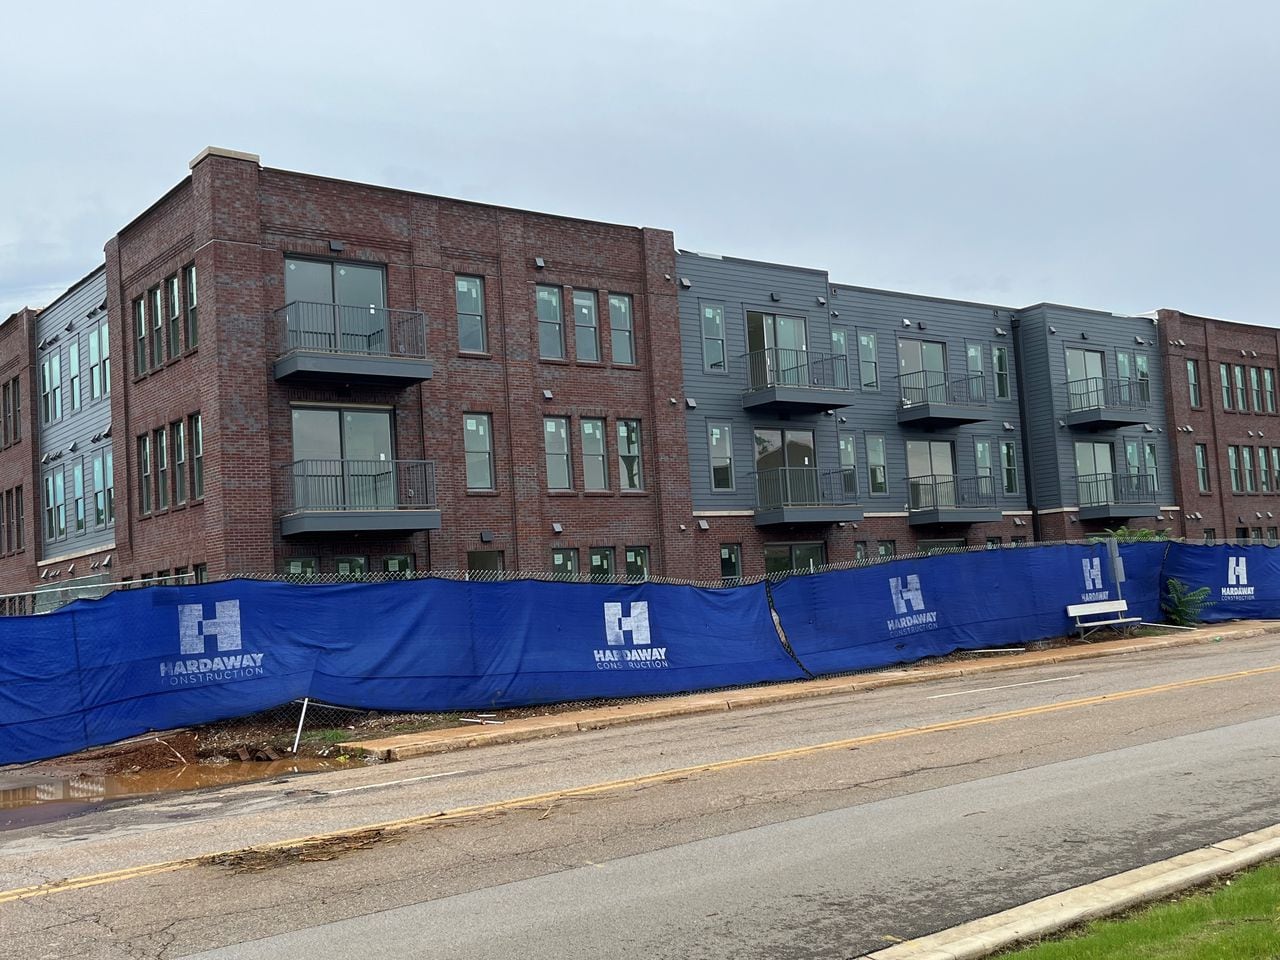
409	745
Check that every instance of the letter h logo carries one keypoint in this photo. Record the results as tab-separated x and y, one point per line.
193	628
616	626
1092	573
1237	572
910	592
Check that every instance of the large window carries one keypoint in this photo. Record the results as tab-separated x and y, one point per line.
144	474
1095	473
77	493
157	327
788	557
1264	470
1009	465
555	431
1142	364
197	456
342	458
51	387
336	306
922	371
1246	465
477	429
877	474
73	372
1202	468
630	461
173	307
564	562
178	429
847	449
601	563
595	459
1233	465
1000	365
586	326
12	412
778	348
713	351
1255	388
161	444
1193	382
1085	385
55	506
1242	397
1269	390
473	335
1224	376
193	325
1152	469
550	324
139	336
622	328
720	447
868	364
637	563
982	457
730	561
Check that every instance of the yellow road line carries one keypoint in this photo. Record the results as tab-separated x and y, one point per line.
460	813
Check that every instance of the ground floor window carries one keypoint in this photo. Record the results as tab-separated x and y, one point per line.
730	561
400	564
485	561
940	546
637	563
564	562
1210	535
351	567
886	548
601	563
786	557
304	568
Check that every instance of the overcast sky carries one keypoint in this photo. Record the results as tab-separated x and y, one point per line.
1117	154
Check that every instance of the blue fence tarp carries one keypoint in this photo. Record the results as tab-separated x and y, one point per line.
1243	581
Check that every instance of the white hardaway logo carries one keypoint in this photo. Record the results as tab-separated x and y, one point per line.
1093	588
906	593
617	627
194	631
1238	579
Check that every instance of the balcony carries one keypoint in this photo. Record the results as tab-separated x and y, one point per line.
359	496
332	343
799	381
931	401
1116	496
944	498
805	495
1102	403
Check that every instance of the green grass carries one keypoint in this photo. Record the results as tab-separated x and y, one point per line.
1239	920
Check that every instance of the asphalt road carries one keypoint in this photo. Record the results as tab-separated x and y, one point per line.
887	815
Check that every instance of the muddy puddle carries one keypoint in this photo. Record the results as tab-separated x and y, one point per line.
32	799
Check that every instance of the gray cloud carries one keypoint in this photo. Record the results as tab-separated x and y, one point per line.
1115	155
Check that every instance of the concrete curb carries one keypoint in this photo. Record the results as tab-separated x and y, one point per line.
983	937
410	745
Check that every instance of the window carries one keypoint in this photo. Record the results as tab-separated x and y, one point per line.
161	445
886	548
550	324
1233	465
982	457
193	326
601	561
637	563
139	337
109	481
1018	541
860	550
473	337
1255	534
1143	365
1193	382
993	543
720	447
564	562
51	387
595	462
477	430
868	365
713	353
99	493
976	380
73	371
1009	464
351	568
173	306
12	410
95	364
794	557
1000	364
1275	468
1250	478
398	564
1149	462
1269	390
622	328
179	432
586	326
55	506
157	328
923	371
197	457
19	517
301	568
77	495
1242	533
1242	399
486	561
1202	467
556	442
144	474
1224	376
1264	471
876	471
840	356
1210	535
1085	383
1272	534
630	462
1255	388
730	561
847	450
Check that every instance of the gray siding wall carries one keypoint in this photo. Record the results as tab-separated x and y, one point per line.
67	442
741	286
1045	353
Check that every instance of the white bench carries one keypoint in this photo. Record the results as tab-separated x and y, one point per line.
1113	612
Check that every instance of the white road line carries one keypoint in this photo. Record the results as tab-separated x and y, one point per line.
392	783
1006	686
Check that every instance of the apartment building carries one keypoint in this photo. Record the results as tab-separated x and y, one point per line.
1221	398
19	544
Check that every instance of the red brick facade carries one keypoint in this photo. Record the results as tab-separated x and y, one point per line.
19	535
1210	343
236	222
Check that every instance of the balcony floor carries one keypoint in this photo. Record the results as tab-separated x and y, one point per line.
1119	511
935	416
321	522
1106	418
956	515
317	366
825	514
797	399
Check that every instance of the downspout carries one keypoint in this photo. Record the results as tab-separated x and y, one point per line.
1024	422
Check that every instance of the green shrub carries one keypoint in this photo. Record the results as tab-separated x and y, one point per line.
1182	605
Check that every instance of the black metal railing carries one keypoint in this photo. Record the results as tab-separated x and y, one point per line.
933	386
784	367
805	487
1100	393
944	491
338	328
329	485
1101	489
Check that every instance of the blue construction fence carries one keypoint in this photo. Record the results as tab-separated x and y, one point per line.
97	671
